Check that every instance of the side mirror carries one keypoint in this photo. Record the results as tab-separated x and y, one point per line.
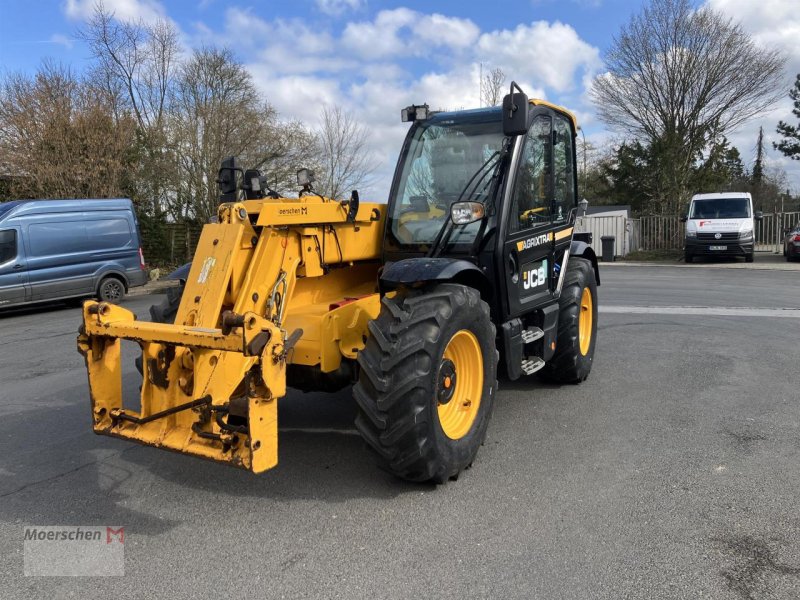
759	215
684	218
226	179
515	112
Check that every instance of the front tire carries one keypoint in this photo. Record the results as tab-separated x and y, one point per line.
577	326
427	382
688	258
749	257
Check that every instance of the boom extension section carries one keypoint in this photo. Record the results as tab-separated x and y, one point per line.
275	282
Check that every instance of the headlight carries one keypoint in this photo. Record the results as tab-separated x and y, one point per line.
691	234
746	234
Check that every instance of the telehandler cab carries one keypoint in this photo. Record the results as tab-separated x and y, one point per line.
413	303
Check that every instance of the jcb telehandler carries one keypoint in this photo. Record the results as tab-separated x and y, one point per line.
473	259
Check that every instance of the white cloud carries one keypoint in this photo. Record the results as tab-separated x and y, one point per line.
374	67
772	24
403	32
124	10
438	30
62	40
549	54
337	7
379	38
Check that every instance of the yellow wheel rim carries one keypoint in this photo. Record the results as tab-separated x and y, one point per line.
585	322
459	384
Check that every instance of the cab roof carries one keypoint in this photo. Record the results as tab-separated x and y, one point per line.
480	114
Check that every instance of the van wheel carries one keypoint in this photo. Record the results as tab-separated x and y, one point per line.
111	290
748	257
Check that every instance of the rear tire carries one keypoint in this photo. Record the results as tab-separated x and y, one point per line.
577	326
111	290
427	382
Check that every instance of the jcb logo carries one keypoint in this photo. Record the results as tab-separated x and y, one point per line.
536	277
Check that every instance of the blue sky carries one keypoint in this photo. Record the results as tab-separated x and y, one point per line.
373	57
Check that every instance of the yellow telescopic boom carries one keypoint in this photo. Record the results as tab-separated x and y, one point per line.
275	282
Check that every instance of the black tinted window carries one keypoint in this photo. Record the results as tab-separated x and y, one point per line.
532	201
8	245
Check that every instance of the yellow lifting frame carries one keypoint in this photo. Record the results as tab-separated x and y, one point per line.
270	274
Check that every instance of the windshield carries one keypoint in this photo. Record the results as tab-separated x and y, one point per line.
720	208
443	156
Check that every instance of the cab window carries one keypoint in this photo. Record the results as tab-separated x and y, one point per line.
8	245
564	187
531	203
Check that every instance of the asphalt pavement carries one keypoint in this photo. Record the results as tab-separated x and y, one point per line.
672	472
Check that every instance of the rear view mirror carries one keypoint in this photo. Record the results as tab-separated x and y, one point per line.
684	218
515	112
226	179
759	215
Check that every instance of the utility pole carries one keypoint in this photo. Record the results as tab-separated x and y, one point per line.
480	85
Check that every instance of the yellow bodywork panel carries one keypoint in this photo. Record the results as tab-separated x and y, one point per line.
267	288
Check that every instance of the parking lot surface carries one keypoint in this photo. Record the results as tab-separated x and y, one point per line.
672	472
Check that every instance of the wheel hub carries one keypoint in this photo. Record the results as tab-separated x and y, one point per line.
447	382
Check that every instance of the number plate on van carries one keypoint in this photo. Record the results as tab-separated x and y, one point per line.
717	247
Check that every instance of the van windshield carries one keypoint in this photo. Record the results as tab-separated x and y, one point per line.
720	208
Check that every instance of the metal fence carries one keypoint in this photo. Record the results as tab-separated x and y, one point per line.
171	244
657	232
770	230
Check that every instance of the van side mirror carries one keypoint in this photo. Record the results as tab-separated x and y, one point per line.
515	112
759	215
684	218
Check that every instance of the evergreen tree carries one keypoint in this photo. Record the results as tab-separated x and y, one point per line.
790	145
758	167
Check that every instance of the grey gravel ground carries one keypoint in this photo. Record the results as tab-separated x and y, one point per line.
672	472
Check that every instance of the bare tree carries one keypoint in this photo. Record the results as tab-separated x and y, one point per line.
59	137
346	163
137	63
492	87
678	79
216	116
218	113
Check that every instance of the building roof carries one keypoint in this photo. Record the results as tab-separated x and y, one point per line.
593	210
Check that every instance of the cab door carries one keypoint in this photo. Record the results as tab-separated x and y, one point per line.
526	250
13	270
539	227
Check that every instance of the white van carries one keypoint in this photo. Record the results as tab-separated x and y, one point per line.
721	224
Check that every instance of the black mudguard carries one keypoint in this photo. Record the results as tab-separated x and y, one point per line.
414	272
584	250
